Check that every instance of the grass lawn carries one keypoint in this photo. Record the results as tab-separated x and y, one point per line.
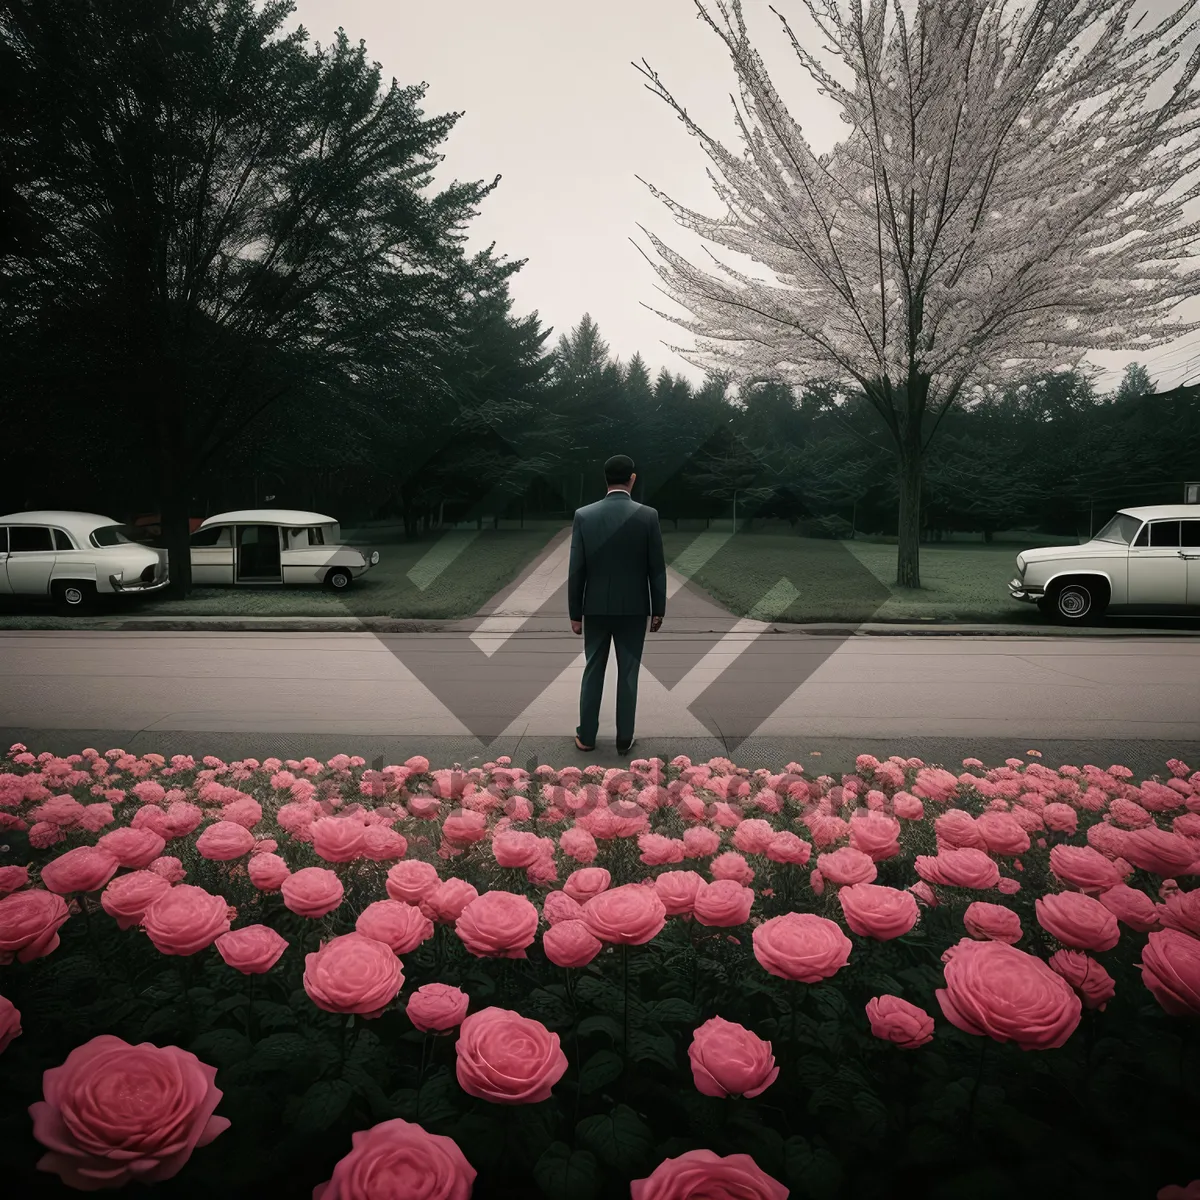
442	576
774	576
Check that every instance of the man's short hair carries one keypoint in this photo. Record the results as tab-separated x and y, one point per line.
618	470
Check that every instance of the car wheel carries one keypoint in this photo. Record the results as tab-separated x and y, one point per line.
1078	603
74	598
339	579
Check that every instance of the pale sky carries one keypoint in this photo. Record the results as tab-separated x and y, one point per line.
551	102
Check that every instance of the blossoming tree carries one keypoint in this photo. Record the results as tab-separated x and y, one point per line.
1003	204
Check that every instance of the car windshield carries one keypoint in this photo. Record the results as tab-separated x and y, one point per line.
119	535
1122	528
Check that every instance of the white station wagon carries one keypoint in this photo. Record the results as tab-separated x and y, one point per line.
1143	559
275	546
75	556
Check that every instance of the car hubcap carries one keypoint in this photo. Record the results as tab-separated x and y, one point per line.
339	581
1074	603
74	596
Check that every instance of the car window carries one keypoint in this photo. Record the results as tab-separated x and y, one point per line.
1164	533
316	537
25	539
1143	537
214	535
3	539
1191	535
62	541
119	535
1120	529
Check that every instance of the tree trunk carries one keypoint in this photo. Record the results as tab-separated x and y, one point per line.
441	513
908	549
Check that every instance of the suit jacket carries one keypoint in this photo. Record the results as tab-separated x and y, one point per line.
617	564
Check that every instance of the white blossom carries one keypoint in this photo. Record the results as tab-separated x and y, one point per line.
973	224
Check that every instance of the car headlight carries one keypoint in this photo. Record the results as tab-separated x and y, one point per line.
374	557
1021	565
117	576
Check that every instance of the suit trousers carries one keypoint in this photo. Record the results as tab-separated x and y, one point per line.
628	634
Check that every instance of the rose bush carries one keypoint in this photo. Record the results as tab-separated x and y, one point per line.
676	980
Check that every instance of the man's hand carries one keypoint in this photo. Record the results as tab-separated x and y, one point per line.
655	624
576	626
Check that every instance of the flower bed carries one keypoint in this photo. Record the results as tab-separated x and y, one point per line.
310	979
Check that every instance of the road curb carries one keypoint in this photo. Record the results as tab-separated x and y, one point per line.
540	626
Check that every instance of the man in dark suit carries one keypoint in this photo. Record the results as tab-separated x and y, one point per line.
617	578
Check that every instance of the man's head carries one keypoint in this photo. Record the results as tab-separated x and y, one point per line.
618	472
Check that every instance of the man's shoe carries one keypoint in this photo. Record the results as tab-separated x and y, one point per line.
624	750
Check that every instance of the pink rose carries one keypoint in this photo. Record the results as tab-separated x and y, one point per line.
463	827
1180	910
1002	833
571	944
965	868
704	1175
729	1060
897	1021
1171	970
630	915
1093	983
185	919
558	907
12	879
84	869
498	924
400	927
801	946
411	881
134	848
353	974
723	905
267	871
1061	818
114	1112
846	867
1132	907
1174	1192
437	1007
253	949
992	922
397	1158
169	867
730	865
128	896
313	892
1084	868
30	923
1159	850
678	890
587	882
445	903
381	844
995	990
907	807
10	1023
787	847
1078	921
875	834
507	1058
878	912
223	841
338	839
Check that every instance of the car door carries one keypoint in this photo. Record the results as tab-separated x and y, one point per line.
4	588
212	556
1190	549
30	559
1158	574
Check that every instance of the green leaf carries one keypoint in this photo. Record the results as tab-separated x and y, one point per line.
620	1139
229	1004
603	1067
548	1008
270	1015
811	1170
649	1047
222	1047
608	1025
438	1100
673	1012
566	1174
163	1021
279	1051
322	1105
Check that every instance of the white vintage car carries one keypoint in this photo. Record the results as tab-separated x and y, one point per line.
275	546
75	556
1144	559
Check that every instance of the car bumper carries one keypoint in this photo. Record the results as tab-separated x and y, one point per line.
137	587
372	557
1030	593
